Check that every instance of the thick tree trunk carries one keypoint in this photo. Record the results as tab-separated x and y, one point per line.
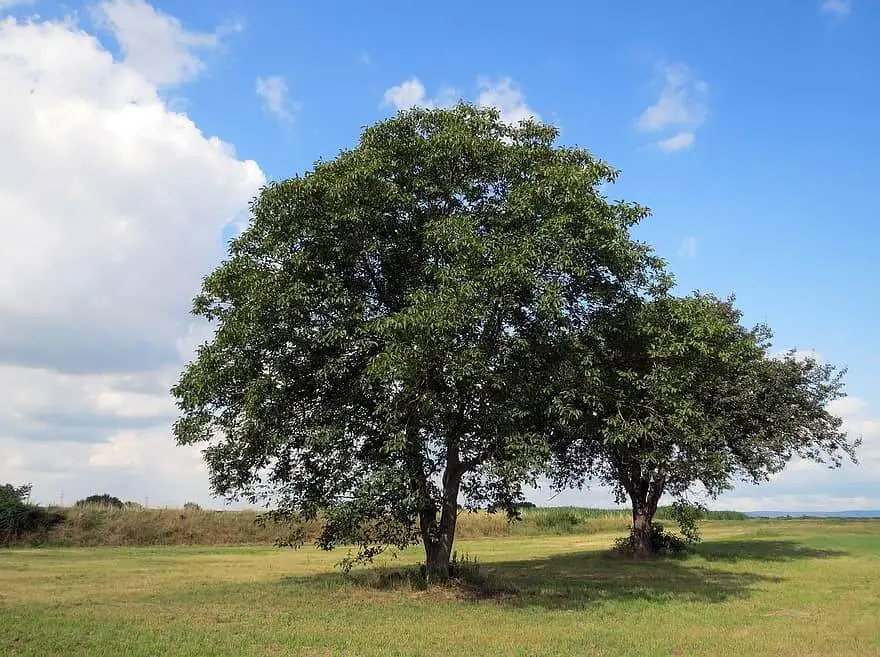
438	537
645	495
641	529
438	552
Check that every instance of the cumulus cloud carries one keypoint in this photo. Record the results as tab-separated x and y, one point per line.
273	91
112	208
132	465
501	94
682	106
412	93
506	98
407	94
840	8
155	44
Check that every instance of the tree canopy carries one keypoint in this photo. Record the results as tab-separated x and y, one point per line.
686	397
18	517
389	326
104	499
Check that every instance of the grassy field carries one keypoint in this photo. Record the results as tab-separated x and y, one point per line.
793	587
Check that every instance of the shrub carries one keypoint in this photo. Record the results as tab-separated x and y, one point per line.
663	543
191	506
11	496
19	519
101	500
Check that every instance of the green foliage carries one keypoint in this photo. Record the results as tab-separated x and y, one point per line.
19	519
14	496
191	506
104	499
687	515
389	326
559	519
574	520
668	513
688	398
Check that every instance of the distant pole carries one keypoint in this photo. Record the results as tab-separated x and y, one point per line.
146	502
62	499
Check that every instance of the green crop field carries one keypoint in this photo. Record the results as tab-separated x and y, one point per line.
785	587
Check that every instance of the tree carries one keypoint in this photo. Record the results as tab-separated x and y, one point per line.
14	496
383	325
687	396
18	517
104	499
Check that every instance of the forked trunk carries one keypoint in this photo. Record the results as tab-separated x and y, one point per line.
438	553
645	496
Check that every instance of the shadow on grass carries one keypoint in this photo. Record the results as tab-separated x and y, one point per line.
576	580
762	551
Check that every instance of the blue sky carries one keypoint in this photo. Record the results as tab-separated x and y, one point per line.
748	128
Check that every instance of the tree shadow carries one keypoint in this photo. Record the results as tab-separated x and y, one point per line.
577	580
762	551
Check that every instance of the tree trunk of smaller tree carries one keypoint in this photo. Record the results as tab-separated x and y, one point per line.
438	537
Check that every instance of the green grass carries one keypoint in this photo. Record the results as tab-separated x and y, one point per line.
791	587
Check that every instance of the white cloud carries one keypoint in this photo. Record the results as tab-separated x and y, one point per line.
502	95
273	92
798	502
688	248
365	58
836	7
6	4
799	354
677	142
507	99
412	93
112	208
132	465
681	102
847	406
867	428
682	105
408	94
155	44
